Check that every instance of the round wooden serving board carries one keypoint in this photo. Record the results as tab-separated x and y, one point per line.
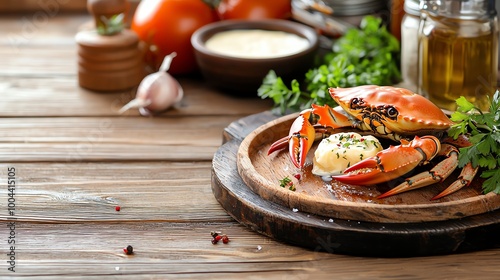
342	218
262	173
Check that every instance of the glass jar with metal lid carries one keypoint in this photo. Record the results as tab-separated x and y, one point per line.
458	51
409	44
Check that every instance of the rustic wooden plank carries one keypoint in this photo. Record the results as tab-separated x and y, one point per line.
164	250
22	34
115	130
145	191
103	152
109	139
32	62
61	96
42	5
161	249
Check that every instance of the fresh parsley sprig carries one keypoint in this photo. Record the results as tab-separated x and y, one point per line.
483	129
291	99
365	56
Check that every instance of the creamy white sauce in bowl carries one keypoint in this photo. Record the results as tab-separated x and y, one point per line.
256	43
243	74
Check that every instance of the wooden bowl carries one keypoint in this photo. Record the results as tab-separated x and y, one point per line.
244	75
261	173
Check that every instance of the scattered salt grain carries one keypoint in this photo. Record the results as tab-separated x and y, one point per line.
295	210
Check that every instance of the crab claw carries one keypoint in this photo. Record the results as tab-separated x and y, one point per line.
391	163
302	136
376	169
311	125
300	140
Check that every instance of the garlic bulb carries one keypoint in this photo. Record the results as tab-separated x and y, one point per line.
157	92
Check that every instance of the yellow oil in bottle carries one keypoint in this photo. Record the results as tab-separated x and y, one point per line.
453	65
458	51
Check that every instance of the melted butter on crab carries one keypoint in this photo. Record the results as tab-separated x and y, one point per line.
339	151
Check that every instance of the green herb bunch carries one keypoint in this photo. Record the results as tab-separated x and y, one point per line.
365	56
483	129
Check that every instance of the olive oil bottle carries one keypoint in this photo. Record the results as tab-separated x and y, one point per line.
458	51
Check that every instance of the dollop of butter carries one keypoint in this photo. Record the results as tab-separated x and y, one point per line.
256	43
339	151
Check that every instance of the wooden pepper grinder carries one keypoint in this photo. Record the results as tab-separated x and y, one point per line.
109	56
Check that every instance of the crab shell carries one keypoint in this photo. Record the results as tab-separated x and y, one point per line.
413	114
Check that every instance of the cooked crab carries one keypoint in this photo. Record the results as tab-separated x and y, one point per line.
394	113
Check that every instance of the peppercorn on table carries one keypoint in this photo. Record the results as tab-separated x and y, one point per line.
80	182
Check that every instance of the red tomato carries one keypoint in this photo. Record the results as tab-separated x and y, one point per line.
167	25
254	9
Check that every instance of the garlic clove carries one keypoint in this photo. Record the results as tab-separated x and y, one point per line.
157	92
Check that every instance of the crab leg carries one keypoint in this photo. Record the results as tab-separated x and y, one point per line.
464	179
437	174
309	126
466	175
393	162
381	171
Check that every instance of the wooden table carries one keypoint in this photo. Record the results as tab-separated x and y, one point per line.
76	158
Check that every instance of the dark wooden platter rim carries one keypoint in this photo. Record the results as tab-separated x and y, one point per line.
334	235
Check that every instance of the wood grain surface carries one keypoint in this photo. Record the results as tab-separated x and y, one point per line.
35	5
76	159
